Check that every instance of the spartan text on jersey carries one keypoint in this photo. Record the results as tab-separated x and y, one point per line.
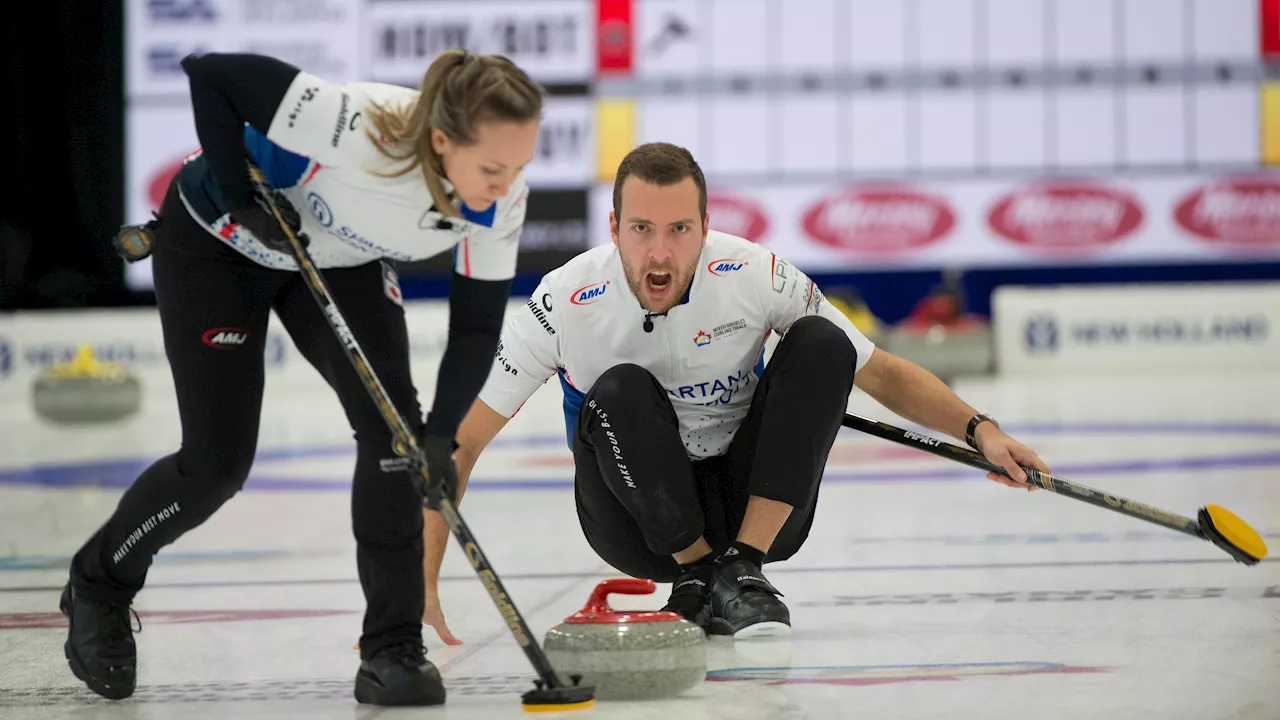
721	390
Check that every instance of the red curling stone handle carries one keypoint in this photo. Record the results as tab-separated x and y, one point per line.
598	603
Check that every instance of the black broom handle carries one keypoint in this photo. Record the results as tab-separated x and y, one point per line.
1044	480
407	446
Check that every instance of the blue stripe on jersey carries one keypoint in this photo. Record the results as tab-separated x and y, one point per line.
759	368
283	169
572	406
484	217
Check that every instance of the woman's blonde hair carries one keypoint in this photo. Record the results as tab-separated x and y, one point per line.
459	91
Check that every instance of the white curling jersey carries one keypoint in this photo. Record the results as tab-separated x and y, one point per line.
708	351
318	153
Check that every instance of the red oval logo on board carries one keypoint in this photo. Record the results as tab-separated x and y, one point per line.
1243	211
158	185
879	219
737	216
1066	216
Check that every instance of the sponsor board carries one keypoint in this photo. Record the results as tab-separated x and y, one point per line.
992	224
552	40
1070	216
35	340
31	341
1137	328
878	219
1233	212
563	157
157	140
556	221
736	215
318	35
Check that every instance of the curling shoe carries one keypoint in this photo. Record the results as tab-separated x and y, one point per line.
400	674
744	604
100	647
691	594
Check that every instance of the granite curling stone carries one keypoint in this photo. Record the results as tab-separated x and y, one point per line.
86	391
628	655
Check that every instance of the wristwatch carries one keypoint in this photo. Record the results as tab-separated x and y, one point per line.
974	422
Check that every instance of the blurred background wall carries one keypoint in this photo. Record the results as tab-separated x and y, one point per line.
886	148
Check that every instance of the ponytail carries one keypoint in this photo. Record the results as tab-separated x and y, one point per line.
458	92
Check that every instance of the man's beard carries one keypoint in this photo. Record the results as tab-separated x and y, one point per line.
680	280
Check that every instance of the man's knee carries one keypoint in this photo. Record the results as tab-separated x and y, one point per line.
818	339
623	383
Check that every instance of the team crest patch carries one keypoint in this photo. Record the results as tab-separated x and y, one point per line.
702	339
391	284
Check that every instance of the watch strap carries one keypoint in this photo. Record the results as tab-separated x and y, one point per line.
974	422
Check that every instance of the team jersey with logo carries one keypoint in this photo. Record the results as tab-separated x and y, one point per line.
317	152
707	352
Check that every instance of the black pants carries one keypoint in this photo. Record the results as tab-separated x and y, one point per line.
214	307
640	498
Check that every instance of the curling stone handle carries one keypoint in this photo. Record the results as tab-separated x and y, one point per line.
599	600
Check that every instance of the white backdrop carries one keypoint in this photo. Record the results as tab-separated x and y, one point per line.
802	112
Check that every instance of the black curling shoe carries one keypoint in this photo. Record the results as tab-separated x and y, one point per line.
744	604
100	647
400	674
691	595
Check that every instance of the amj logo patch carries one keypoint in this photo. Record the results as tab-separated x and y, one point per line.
589	294
225	338
725	266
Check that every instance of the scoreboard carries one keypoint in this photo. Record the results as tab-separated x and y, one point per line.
844	134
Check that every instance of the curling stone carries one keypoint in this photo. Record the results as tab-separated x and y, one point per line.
86	391
628	655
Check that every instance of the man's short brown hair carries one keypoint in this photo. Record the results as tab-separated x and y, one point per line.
662	164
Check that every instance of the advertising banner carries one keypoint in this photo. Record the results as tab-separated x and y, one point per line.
1090	330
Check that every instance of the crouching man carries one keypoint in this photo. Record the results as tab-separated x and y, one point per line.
696	462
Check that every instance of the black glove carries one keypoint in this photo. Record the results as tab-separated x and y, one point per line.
441	468
259	220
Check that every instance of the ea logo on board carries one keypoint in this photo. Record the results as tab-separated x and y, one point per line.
320	209
6	358
589	294
1041	334
725	266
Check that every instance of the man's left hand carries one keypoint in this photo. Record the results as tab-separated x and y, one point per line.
1008	453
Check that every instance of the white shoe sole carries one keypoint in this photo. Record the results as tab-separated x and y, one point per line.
763	630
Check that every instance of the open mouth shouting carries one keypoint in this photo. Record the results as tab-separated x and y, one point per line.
658	283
